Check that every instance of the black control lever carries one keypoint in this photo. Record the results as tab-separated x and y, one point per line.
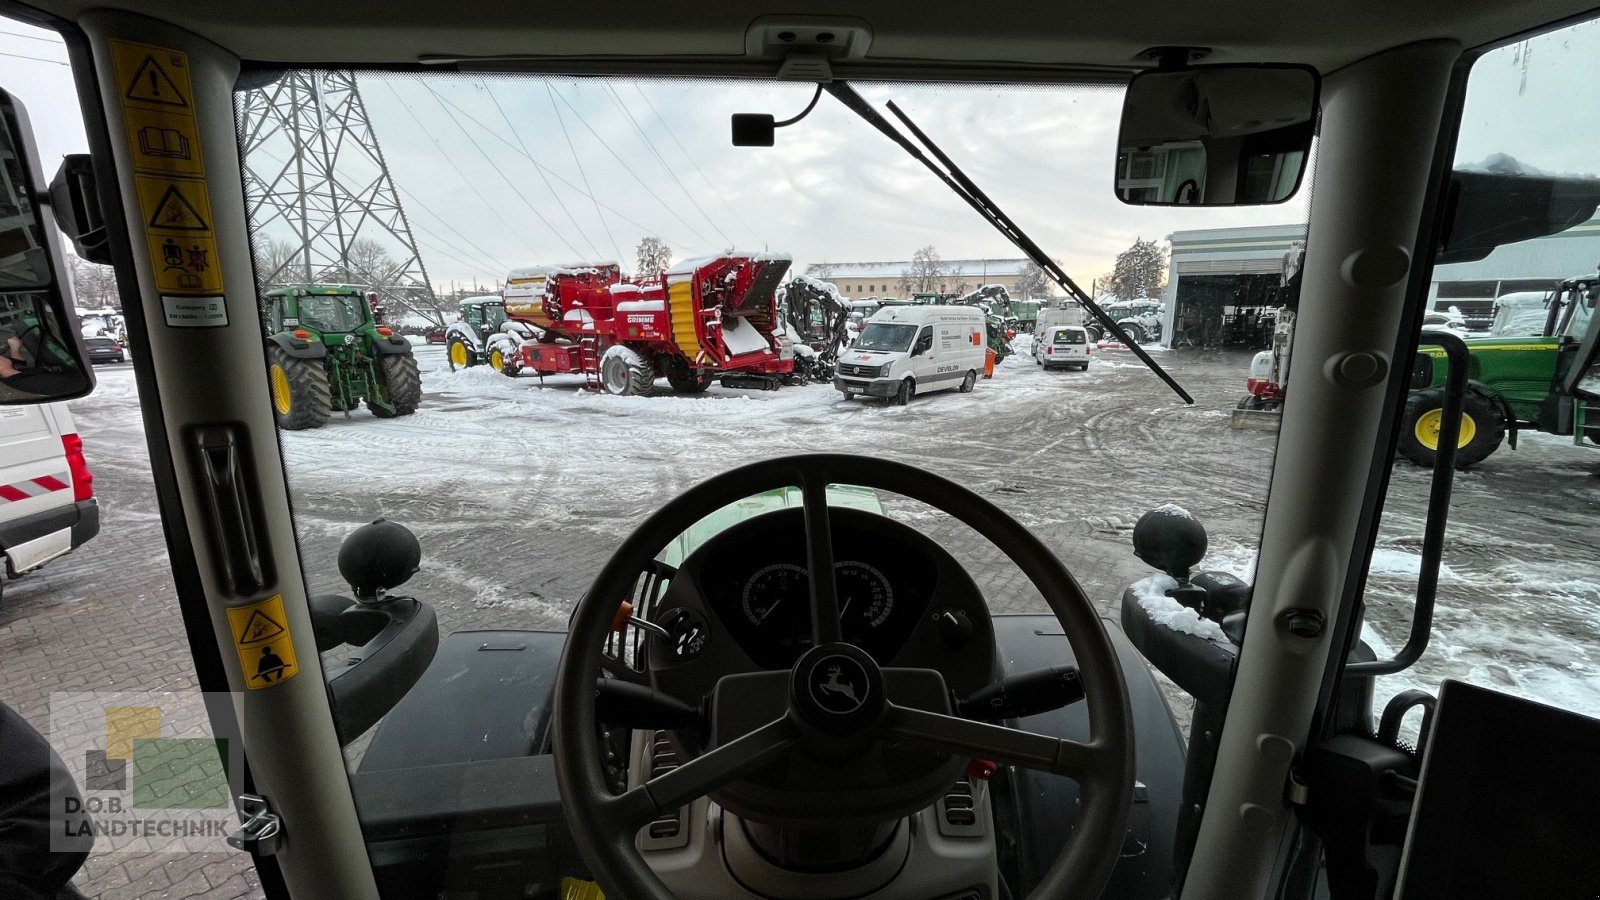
1027	694
636	706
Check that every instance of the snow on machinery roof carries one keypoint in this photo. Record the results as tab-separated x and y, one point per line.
523	274
817	284
690	266
894	269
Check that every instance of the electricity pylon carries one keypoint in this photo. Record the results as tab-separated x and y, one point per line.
322	204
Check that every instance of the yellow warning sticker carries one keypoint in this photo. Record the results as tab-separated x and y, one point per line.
164	144
153	77
577	889
266	650
177	217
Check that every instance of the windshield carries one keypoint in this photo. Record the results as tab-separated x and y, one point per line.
1581	311
335	313
640	255
886	336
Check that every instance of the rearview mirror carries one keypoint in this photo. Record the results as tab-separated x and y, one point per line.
1216	135
41	352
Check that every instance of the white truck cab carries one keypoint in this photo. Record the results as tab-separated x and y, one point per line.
906	350
1063	347
47	505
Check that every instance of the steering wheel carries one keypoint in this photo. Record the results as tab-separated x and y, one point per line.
605	825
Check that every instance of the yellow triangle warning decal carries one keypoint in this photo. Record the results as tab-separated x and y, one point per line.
174	211
259	628
152	84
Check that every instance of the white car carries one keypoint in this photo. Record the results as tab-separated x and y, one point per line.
906	350
47	504
1063	347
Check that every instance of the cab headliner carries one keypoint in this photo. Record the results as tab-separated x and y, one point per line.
906	36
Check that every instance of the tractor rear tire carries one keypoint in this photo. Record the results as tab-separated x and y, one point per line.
1134	331
1483	427
301	397
404	384
625	372
459	355
688	381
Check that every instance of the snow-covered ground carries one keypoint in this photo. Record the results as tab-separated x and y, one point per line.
520	488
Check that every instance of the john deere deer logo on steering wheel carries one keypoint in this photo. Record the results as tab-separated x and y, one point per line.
839	685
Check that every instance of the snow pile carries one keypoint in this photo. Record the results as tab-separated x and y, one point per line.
1400	563
1151	593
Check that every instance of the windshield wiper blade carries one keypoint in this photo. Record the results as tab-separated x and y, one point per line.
957	180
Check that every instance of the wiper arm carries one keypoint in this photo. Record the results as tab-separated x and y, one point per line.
957	180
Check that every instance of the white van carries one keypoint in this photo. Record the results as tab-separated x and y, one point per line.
1063	347
47	505
906	350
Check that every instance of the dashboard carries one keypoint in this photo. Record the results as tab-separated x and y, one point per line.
741	603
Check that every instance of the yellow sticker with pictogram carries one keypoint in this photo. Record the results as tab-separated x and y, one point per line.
266	649
150	76
163	142
177	224
578	889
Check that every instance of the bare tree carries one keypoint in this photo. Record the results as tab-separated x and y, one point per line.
92	284
1032	282
924	273
1140	271
652	256
274	261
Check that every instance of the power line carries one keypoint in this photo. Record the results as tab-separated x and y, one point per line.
483	259
546	179
510	229
34	37
35	58
581	174
663	160
690	157
624	163
493	165
557	176
436	249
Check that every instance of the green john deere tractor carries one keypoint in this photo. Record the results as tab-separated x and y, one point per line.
326	353
1515	384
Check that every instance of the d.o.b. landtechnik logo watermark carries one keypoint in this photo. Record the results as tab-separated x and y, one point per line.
151	775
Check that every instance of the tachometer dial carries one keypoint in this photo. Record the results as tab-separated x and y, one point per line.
781	585
865	597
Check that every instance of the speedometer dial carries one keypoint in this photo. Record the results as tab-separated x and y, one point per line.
865	597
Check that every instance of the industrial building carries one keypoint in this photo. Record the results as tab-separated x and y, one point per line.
860	280
1224	284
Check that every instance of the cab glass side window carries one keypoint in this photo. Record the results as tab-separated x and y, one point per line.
1518	600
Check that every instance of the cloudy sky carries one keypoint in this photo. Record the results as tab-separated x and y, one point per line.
496	172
